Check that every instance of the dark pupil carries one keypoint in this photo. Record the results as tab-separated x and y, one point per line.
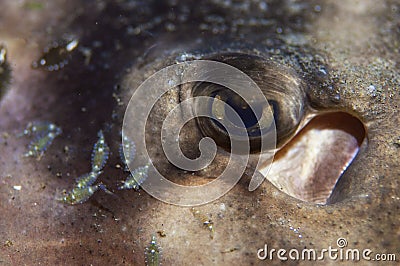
244	111
246	114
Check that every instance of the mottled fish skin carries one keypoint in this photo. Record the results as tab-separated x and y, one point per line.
360	41
153	253
100	153
136	178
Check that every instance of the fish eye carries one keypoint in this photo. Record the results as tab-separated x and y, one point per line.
283	110
230	113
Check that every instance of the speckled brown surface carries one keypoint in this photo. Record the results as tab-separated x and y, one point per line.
357	41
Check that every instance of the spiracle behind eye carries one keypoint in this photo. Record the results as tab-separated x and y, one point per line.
282	88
